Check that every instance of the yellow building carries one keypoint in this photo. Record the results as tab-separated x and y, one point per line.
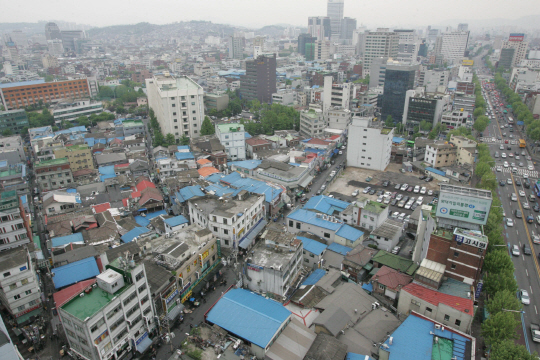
79	156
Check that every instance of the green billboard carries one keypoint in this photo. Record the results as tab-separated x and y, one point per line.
463	207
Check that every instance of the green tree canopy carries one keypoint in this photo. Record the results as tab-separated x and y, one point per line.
207	128
389	122
7	132
509	350
425	126
500	327
169	139
503	300
504	280
184	140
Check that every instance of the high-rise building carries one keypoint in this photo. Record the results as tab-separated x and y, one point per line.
515	42
420	107
70	38
258	46
398	79
52	31
14	120
370	144
380	43
178	104
409	44
463	27
337	95
321	50
335	13
319	27
348	25
304	39
377	72
451	46
260	79
236	47
56	47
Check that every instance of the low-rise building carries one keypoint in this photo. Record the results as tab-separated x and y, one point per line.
20	292
313	252
254	145
130	127
233	137
312	123
338	118
274	263
13	120
388	282
79	156
112	316
455	118
387	234
14	223
440	154
215	101
58	202
12	149
283	97
70	111
53	174
465	150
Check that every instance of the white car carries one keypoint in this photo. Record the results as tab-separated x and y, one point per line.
430	192
404	187
525	176
423	190
515	250
380	199
524	297
395	214
530	168
521	193
499	168
366	190
501	147
399	197
509	222
387	199
355	193
420	200
503	155
509	181
416	189
340	152
526	205
505	164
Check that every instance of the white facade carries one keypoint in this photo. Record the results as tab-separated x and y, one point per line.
312	122
409	43
339	95
370	144
125	320
283	97
20	291
455	118
233	138
71	111
380	43
178	104
433	79
453	45
520	50
337	118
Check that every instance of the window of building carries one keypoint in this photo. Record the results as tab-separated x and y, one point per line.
453	266
326	235
142	288
298	225
28	292
226	232
139	276
17	297
173	105
428	309
12	286
227	242
291	223
456	254
458	322
446	317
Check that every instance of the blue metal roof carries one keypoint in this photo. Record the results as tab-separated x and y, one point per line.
183	147
314	277
368	287
349	233
22	83
249	316
413	340
145	220
176	221
214	178
319	152
435	171
397	140
312	246
246	164
64	240
340	249
106	170
310	217
247	136
189	192
326	204
184	156
237	183
133	233
75	272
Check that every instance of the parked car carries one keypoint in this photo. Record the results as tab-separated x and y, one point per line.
416	189
394	202
410	189
366	190
372	191
397	187
385	183
355	192
395	250
423	190
428	179
404	187
399	197
430	192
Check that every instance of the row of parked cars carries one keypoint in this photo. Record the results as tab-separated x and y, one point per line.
415	189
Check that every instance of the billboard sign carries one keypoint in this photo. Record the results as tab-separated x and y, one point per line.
461	207
516	37
467	62
472	238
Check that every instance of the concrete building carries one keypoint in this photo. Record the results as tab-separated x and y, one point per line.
70	111
409	43
371	146
70	39
53	174
319	27
79	156
348	25
398	79
312	123
338	118
55	47
112	315
22	94
20	292
12	150
49	61
455	118
234	220
59	202
434	80
377	72
337	95
380	43
451	46
515	42
260	80
236	47
284	97
14	223
427	108
304	39
387	235
52	31
440	154
215	101
334	11
130	127
13	120
465	149
274	263
464	101
177	103
233	138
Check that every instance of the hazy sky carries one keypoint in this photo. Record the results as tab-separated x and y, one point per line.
258	13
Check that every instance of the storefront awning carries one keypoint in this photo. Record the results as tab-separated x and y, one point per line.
173	314
144	344
306	181
248	239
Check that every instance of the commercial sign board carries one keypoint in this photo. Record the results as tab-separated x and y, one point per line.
145	335
516	37
467	62
26	311
254	267
472	238
462	207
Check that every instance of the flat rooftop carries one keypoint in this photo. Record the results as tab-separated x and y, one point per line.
91	303
212	205
168	83
268	256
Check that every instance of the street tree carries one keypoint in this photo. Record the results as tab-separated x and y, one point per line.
207	128
509	350
504	280
503	300
500	327
184	140
498	261
169	139
389	121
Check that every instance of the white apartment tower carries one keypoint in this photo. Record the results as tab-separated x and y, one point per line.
409	43
380	43
370	144
451	46
335	13
177	103
337	95
515	41
109	317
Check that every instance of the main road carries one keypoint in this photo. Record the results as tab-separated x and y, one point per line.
527	270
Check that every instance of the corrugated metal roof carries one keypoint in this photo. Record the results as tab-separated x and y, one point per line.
312	246
349	233
249	316
340	249
130	235
326	204
64	240
75	272
311	218
314	277
175	221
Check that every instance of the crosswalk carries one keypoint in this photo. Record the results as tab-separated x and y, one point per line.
520	172
497	141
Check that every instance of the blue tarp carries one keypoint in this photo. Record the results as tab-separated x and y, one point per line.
72	273
398	140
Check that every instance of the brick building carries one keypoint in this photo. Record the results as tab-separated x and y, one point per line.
255	145
141	75
22	94
465	87
462	251
53	174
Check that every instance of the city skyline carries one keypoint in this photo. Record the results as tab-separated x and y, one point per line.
240	13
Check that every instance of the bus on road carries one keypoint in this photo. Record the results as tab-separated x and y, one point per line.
522	143
510	120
